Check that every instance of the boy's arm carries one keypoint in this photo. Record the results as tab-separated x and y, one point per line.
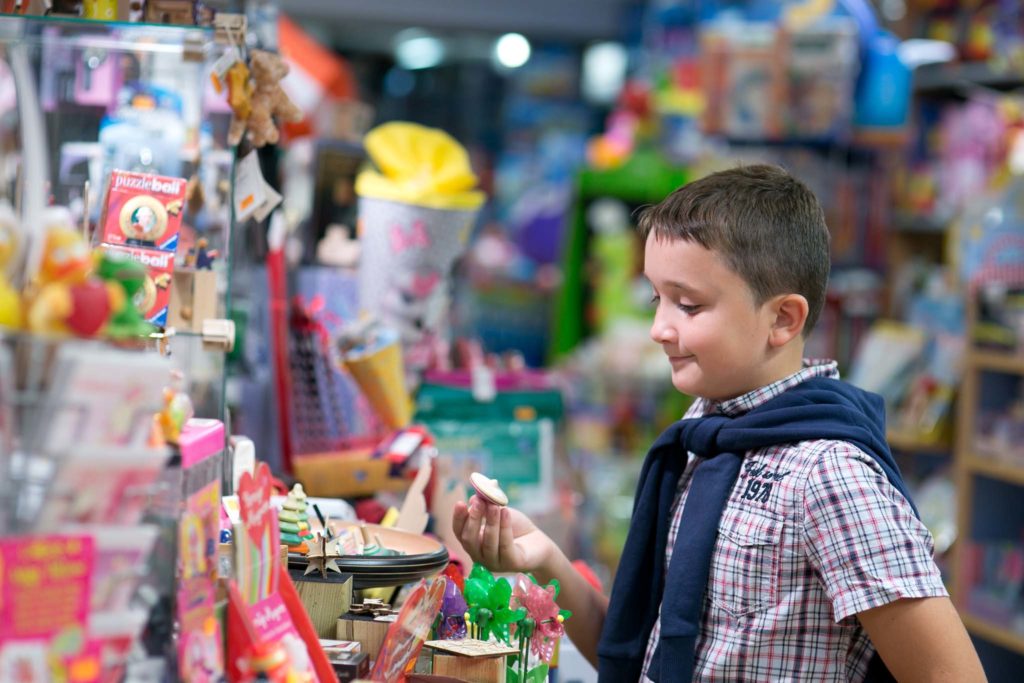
923	640
505	540
874	558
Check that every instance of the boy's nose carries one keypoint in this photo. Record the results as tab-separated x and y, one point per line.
662	333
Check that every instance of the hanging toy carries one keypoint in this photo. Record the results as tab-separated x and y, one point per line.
239	99
266	99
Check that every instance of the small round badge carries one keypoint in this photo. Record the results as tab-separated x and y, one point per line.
143	218
488	489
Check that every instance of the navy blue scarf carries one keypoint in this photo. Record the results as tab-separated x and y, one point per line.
815	409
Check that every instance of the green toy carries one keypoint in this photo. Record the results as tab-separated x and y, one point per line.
120	270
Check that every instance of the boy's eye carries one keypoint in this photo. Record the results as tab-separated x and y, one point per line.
655	299
688	309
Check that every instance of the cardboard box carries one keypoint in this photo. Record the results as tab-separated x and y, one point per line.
153	299
364	629
349	474
143	210
325	599
350	667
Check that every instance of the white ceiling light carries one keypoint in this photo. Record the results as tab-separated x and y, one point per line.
512	50
417	49
604	72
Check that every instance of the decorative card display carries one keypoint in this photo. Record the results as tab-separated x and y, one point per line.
44	606
123	390
259	572
407	634
121	482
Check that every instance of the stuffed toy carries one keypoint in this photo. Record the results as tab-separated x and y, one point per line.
255	104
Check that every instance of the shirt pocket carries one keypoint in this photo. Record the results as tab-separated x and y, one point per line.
745	567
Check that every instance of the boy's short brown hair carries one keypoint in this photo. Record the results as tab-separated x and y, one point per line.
767	226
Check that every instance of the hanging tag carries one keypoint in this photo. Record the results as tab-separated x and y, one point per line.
220	68
250	193
271	199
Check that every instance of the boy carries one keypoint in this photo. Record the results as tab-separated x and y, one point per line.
772	537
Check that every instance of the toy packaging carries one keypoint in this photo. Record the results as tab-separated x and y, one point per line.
143	210
153	300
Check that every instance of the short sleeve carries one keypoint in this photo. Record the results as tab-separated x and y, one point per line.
862	536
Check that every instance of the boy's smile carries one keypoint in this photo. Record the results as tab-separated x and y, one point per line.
719	343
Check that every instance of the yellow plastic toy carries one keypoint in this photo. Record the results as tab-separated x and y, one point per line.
10	298
66	263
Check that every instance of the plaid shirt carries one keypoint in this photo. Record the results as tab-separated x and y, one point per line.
812	534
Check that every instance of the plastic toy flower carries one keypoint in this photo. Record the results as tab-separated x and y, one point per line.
547	620
489	604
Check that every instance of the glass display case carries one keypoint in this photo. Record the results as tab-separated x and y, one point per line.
80	99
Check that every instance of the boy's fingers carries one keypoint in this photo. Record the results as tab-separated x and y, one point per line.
460	514
491	533
506	542
470	535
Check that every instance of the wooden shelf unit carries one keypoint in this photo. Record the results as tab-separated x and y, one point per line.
1000	635
968	466
994	469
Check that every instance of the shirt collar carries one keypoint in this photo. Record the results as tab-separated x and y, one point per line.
737	406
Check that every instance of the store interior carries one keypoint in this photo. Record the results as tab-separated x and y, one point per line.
278	280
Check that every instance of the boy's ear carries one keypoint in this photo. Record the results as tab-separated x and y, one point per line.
790	315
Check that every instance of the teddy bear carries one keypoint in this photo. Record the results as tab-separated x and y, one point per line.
257	103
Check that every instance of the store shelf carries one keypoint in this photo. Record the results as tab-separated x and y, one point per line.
999	635
911	443
1000	361
906	222
989	467
950	78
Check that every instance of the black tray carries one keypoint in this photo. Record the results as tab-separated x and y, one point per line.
425	557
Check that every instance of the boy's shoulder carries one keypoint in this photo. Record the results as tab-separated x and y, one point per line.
834	470
806	475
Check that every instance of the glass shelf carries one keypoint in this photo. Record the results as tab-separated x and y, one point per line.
136	36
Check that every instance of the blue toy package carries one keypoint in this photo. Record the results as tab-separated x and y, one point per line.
883	90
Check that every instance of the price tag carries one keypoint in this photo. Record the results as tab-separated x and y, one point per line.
250	192
220	68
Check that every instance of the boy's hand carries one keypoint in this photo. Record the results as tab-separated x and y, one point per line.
502	539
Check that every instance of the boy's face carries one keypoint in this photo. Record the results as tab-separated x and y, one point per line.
706	321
